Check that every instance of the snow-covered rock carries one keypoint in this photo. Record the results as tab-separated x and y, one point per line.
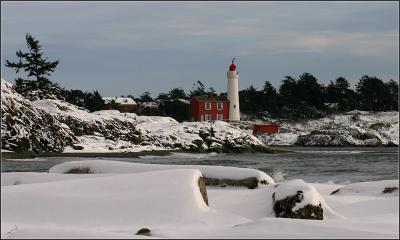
55	125
209	172
385	188
197	136
25	128
111	124
297	199
354	128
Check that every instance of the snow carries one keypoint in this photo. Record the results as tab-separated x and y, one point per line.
98	144
18	178
5	150
167	200
85	203
383	126
119	100
105	166
165	131
370	189
64	110
310	194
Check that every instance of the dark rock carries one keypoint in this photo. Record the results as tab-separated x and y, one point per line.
250	183
79	171
77	147
203	190
144	232
336	191
372	142
283	208
390	189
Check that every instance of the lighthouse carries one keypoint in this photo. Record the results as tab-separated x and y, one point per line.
233	92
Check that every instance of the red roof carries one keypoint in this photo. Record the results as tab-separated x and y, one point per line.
232	67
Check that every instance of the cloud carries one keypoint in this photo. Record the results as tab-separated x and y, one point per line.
121	39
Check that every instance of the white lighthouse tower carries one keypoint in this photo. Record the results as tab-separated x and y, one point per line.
233	92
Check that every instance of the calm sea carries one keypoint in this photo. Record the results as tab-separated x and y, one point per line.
313	164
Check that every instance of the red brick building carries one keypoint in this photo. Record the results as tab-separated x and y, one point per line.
208	108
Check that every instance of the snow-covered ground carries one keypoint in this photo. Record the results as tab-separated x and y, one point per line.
123	199
51	125
355	128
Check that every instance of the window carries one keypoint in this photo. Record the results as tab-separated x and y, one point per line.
220	105
208	105
207	117
201	118
220	117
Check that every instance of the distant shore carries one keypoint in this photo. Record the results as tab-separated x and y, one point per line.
13	155
276	150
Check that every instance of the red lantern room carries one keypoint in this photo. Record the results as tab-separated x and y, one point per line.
232	67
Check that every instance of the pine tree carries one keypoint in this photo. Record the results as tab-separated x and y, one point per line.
38	67
373	94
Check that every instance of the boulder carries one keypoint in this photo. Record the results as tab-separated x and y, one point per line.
372	142
203	190
144	232
297	199
284	208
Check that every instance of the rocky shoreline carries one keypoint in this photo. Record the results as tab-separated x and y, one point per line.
49	125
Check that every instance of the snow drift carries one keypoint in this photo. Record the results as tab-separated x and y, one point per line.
126	202
209	172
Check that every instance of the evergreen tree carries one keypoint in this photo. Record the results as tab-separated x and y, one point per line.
163	96
212	90
251	100
113	104
37	67
146	97
271	99
176	109
177	93
76	97
198	90
94	101
309	90
393	89
339	92
373	94
288	86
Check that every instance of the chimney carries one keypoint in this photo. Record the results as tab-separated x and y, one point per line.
210	94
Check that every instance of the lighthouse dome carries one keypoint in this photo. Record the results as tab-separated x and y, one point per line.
232	67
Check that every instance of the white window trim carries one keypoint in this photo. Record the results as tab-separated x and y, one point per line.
201	118
220	117
220	105
207	117
205	105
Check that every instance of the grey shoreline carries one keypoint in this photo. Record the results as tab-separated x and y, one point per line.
13	155
277	149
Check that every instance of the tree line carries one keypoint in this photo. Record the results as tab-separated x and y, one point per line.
303	97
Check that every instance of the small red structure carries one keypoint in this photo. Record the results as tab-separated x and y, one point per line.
265	128
208	108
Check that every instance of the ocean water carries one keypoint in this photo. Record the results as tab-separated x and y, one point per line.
313	164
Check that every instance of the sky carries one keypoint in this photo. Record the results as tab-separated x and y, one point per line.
121	48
